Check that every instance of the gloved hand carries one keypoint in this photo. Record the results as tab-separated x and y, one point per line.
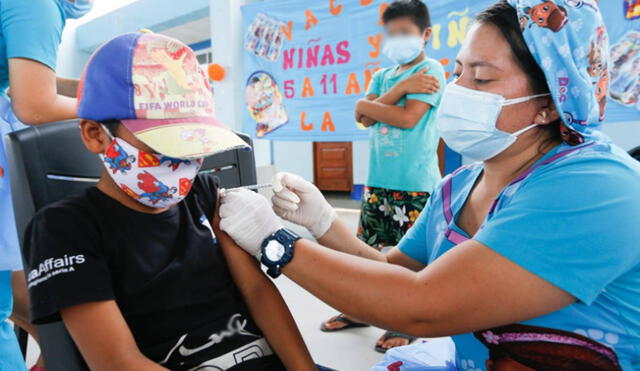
301	202
248	218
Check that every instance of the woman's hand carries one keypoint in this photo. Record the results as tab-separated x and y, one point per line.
301	202
248	218
420	83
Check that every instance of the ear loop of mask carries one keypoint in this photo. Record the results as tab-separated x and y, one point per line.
509	102
106	130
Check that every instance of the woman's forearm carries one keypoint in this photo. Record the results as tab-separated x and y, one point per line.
354	285
340	238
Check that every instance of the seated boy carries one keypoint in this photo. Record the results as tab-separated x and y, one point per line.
133	266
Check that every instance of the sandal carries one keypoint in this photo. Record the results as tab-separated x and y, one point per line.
392	334
341	318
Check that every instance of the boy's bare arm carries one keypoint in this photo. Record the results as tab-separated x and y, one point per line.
418	83
266	306
104	338
402	117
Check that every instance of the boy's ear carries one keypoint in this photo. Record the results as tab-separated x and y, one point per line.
94	137
427	34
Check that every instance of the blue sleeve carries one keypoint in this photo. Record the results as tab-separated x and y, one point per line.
436	70
32	29
414	243
575	226
374	85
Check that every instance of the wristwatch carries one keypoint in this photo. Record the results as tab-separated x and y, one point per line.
277	250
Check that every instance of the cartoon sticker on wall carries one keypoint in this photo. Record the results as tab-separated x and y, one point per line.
265	37
625	71
632	9
265	103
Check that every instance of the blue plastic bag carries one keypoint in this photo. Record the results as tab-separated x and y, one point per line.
432	355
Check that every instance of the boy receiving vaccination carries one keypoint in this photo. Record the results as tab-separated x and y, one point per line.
136	267
399	110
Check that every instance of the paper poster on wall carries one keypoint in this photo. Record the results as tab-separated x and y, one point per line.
306	63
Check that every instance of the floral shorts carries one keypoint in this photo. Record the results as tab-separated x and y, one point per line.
386	215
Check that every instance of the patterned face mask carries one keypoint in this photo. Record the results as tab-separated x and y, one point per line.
153	180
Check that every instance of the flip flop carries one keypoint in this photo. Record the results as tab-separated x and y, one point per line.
392	334
341	318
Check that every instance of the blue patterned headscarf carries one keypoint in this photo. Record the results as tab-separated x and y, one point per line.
569	41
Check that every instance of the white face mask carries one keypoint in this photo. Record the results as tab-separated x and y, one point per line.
403	49
153	180
467	122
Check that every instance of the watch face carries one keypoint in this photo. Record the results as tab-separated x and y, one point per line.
274	251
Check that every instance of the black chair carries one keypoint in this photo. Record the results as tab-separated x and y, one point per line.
635	153
48	163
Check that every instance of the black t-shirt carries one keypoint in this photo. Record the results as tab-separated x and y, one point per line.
165	271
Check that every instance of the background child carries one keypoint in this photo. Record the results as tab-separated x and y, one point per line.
139	275
400	110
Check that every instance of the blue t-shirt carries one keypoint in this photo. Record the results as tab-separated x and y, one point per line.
573	222
29	29
406	159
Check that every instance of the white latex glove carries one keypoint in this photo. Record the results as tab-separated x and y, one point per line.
248	219
301	202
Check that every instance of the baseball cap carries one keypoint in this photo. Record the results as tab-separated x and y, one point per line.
154	85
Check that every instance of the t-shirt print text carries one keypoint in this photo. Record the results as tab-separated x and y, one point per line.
53	267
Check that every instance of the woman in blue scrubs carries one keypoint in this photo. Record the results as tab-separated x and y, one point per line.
30	32
536	242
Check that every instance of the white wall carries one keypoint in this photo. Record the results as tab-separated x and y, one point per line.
71	61
624	134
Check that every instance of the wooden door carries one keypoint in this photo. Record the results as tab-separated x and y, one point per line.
333	166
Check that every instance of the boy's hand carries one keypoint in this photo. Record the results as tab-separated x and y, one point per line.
420	83
365	121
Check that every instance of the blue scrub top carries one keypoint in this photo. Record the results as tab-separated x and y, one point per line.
29	29
32	30
571	221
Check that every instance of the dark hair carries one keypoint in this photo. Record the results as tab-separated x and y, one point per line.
505	18
415	10
112	126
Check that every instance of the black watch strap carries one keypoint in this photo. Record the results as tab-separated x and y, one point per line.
287	239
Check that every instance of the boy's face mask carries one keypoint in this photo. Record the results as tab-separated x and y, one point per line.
76	9
153	180
403	49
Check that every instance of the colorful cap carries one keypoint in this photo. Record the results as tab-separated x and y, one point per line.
154	85
569	41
